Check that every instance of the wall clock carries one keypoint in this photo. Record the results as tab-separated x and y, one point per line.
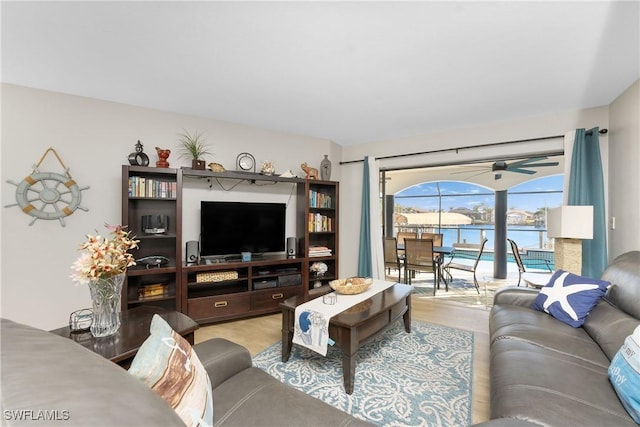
245	162
48	195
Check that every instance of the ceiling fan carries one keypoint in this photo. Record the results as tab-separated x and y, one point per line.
521	166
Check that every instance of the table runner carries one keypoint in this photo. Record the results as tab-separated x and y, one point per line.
311	326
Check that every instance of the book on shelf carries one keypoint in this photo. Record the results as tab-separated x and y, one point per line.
320	200
316	251
153	291
320	223
140	186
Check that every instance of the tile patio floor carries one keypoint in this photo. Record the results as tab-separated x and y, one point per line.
462	290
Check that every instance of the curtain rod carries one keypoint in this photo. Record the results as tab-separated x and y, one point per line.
456	149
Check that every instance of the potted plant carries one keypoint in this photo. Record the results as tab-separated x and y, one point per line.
194	147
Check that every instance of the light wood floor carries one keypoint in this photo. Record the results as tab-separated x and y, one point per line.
258	333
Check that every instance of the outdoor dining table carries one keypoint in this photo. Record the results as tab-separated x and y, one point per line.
441	251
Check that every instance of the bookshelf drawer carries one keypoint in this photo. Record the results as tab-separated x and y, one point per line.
218	306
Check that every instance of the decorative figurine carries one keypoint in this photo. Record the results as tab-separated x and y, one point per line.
163	155
312	173
267	168
216	167
325	168
138	157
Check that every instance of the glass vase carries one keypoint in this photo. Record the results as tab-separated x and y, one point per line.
105	295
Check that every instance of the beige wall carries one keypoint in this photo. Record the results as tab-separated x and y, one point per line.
624	175
94	139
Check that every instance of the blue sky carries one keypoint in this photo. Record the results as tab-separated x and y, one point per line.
474	195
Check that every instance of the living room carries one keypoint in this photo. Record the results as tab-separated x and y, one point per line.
93	133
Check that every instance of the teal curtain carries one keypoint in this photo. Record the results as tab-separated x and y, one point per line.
365	268
586	187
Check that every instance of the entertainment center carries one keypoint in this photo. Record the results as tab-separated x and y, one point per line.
220	287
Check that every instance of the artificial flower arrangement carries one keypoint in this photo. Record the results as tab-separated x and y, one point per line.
319	268
104	257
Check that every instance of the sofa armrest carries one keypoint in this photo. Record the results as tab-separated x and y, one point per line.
222	359
523	297
46	373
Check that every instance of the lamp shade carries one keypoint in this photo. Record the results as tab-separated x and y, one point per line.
570	222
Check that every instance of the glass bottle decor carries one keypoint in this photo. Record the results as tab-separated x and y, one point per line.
325	168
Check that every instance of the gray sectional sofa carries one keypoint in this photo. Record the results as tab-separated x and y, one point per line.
50	380
545	372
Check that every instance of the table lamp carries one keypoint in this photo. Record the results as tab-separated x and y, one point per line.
569	225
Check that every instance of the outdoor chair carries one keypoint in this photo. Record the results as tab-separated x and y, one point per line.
437	241
400	240
419	257
467	267
516	256
391	258
406	235
436	237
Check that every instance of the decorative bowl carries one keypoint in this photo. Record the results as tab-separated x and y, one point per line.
351	286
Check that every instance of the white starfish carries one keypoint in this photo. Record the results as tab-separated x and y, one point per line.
559	293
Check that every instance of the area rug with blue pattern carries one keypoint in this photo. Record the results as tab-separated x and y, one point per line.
422	378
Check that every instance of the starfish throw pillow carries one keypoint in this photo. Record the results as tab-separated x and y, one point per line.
569	297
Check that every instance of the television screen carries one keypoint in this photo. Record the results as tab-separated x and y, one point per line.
228	228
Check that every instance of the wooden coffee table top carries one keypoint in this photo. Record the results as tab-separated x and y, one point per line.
360	312
134	330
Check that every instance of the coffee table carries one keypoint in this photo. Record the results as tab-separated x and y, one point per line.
354	327
122	346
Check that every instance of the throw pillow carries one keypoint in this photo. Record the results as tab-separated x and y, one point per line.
167	364
569	297
624	374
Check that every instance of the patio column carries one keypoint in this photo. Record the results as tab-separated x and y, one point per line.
500	242
389	203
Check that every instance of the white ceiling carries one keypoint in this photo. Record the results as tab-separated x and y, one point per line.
479	173
350	72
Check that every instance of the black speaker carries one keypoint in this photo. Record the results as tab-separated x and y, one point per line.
291	247
193	252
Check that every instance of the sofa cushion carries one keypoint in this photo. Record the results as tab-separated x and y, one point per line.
624	374
569	297
609	326
279	404
551	388
168	365
544	331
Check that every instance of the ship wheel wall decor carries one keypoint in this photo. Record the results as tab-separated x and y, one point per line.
48	195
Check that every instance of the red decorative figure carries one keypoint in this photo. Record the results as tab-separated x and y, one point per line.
163	155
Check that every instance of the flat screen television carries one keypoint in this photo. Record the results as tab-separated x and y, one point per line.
229	228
